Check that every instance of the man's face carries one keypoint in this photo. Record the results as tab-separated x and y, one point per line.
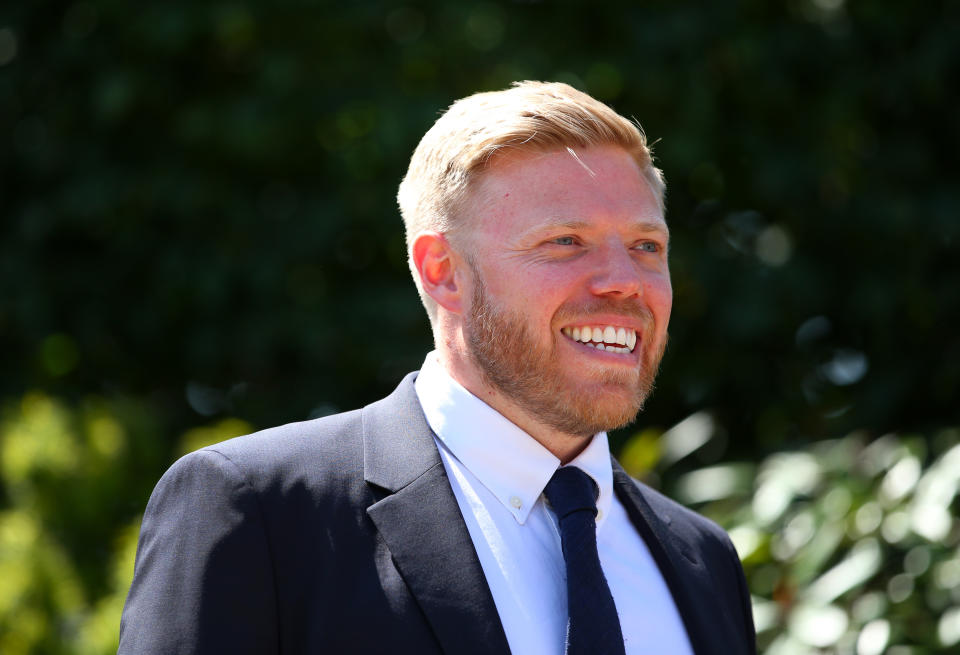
571	296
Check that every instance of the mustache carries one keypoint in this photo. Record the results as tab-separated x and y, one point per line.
631	308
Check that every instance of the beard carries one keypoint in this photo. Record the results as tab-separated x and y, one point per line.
529	373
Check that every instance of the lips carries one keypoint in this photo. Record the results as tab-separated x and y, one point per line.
603	337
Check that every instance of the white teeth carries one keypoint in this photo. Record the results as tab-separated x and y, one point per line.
604	337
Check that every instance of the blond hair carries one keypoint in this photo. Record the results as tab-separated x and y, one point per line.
528	117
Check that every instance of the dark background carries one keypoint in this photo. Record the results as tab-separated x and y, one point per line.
197	215
198	199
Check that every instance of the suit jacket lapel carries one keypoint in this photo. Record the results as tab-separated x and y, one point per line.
677	561
420	522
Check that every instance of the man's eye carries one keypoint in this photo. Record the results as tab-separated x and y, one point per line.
565	241
648	246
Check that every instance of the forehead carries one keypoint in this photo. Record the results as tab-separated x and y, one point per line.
599	185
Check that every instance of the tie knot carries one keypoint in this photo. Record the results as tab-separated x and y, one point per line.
571	490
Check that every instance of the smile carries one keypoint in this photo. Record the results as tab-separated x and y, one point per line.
604	337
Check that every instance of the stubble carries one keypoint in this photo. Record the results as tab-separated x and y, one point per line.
528	373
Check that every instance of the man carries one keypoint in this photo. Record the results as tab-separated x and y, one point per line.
435	520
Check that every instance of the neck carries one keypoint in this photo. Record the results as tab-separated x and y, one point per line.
563	446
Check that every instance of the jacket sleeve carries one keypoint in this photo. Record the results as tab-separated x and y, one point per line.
203	579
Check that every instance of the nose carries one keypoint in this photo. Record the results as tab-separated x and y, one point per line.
616	273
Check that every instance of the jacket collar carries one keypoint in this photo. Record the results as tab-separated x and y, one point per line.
420	521
680	561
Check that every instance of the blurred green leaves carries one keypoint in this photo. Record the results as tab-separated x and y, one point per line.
73	482
849	546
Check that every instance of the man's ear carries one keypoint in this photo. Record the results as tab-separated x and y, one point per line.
439	269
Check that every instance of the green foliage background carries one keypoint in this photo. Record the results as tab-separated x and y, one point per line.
198	237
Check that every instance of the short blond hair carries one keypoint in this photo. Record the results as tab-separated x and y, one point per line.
527	117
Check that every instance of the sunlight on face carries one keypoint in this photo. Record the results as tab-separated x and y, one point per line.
571	294
529	372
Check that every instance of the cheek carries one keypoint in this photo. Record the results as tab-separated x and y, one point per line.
533	292
659	294
531	299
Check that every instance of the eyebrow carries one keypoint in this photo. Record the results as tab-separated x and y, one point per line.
641	226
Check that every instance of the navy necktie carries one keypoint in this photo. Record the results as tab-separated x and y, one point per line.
593	627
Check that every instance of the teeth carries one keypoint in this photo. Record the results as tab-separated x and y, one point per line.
604	337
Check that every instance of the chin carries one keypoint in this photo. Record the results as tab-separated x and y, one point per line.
599	407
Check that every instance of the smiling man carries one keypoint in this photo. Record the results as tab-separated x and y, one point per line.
573	349
476	509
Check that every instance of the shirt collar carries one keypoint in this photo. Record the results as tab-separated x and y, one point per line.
511	464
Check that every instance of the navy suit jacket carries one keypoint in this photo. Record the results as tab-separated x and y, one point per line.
342	535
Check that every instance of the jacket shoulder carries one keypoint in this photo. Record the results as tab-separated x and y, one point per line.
316	454
337	433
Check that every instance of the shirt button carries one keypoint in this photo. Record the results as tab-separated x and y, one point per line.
599	514
516	502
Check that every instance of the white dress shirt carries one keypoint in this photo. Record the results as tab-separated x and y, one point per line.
498	472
